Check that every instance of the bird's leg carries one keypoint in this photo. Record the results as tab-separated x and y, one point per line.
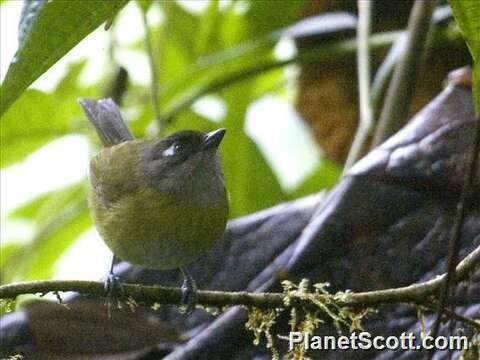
189	291
112	286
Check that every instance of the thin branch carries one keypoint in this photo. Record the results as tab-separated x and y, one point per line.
384	74
466	320
363	63
456	235
400	93
416	293
154	86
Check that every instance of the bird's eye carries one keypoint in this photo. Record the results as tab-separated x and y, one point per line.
173	150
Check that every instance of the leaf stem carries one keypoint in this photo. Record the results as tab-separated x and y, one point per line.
400	92
363	63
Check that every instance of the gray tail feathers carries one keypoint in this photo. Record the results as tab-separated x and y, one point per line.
105	115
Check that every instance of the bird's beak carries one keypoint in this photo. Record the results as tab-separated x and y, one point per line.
213	139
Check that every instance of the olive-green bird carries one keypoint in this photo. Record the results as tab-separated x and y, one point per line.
160	204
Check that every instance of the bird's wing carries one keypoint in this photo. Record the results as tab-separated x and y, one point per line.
114	172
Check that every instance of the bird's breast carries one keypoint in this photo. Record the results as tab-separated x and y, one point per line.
162	230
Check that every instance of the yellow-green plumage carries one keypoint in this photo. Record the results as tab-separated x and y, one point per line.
157	219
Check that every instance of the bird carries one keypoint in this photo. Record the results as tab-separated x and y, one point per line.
159	203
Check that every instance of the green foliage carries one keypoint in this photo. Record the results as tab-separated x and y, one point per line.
49	32
23	128
467	15
144	4
264	18
54	232
250	181
38	118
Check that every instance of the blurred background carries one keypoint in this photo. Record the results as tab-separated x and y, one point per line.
248	66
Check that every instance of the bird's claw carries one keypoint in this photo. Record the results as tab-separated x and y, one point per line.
189	294
113	290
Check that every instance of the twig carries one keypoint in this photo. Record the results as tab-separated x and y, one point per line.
466	320
154	86
363	63
416	293
384	74
454	244
400	92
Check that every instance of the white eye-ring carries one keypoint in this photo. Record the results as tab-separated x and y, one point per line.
171	150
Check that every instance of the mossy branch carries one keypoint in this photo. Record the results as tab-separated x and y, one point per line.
417	293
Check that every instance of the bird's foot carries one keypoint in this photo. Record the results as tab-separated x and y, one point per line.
189	293
113	291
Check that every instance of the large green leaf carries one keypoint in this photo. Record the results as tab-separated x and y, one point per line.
264	16
31	123
42	261
207	40
38	118
7	250
180	28
55	232
52	30
467	15
251	183
39	209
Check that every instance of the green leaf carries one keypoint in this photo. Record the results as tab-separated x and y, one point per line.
39	209
467	16
30	11
41	262
476	87
207	40
34	121
250	181
56	231
180	28
55	29
144	4
264	17
6	251
68	86
191	120
37	118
